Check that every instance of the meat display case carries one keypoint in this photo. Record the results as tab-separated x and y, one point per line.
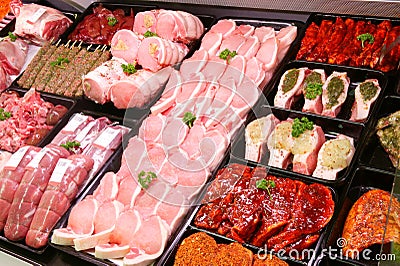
365	164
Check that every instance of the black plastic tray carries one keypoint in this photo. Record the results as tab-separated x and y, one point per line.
356	76
169	255
112	164
373	154
364	180
331	128
318	17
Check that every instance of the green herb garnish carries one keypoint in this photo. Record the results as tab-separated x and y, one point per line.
4	115
300	126
265	185
59	62
150	34
145	178
128	68
227	54
365	37
188	119
112	21
71	145
313	90
12	36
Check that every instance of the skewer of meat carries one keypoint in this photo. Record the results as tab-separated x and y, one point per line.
47	70
350	27
61	70
308	42
38	67
36	59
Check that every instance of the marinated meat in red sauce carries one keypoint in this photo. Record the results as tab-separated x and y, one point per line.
99	27
342	43
289	214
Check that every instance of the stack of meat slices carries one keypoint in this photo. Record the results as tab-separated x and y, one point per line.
343	42
325	95
159	39
282	215
309	152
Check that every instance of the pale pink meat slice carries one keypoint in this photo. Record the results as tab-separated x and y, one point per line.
285	37
263	33
255	71
128	190
81	218
133	155
305	161
224	26
215	68
267	53
232	42
245	29
361	108
236	70
5	80
314	105
174	133
194	64
285	99
172	209
13	55
250	48
151	128
125	44
211	42
191	144
171	91
145	21
328	108
108	187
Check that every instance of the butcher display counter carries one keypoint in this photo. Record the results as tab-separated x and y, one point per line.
179	133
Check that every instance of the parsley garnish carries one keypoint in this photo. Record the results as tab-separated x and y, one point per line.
149	34
299	126
112	21
128	68
145	178
71	145
365	37
4	115
313	90
59	62
265	185
188	119
227	54
12	36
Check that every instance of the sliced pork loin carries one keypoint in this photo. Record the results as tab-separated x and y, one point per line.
13	55
125	44
80	222
280	144
289	87
97	83
334	156
211	42
193	65
314	77
244	29
250	48
171	91
256	136
334	93
155	53
146	21
366	94
263	33
178	26
104	223
138	89
286	37
29	192
11	176
268	52
305	150
38	23
224	26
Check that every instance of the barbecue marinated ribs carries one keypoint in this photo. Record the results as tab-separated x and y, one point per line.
289	215
366	221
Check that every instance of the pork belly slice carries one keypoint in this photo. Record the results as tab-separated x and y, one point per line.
312	209
256	136
334	156
368	222
289	87
366	94
311	104
125	45
334	93
280	143
305	150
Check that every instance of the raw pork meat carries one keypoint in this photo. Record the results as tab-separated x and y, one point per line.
366	94
334	93
4	157
280	144
13	55
317	77
38	23
125	45
289	87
